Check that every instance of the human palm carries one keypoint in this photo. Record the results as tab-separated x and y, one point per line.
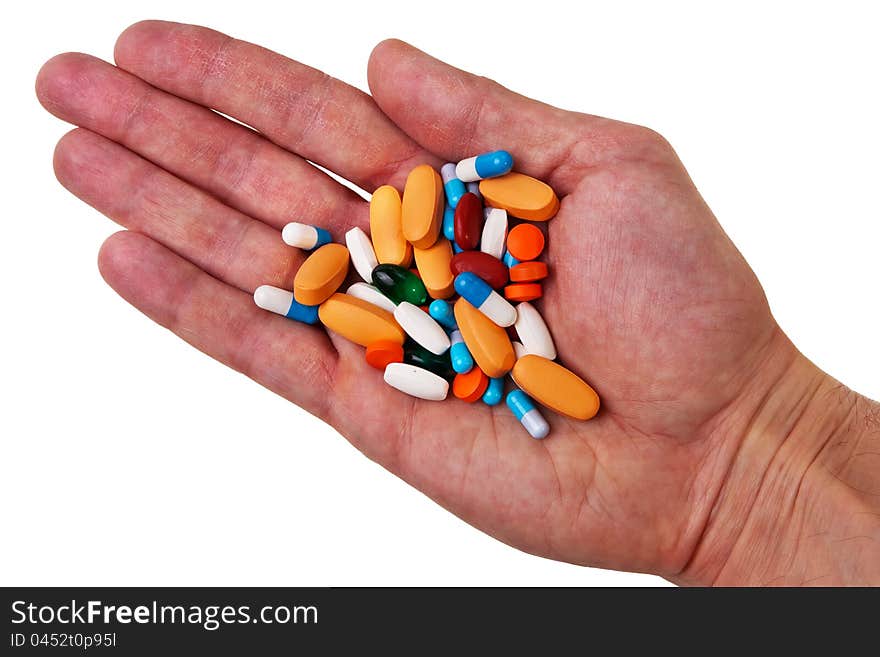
647	300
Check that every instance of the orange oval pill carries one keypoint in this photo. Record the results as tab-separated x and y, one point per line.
487	342
386	228
434	267
526	272
422	209
471	385
556	387
523	292
321	274
525	242
380	354
521	195
359	321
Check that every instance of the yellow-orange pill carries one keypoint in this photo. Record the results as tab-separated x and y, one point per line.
555	387
386	228
422	209
359	321
321	274
487	342
433	264
521	195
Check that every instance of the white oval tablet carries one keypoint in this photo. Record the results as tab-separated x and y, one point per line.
494	233
518	350
362	255
370	294
421	327
416	381
533	332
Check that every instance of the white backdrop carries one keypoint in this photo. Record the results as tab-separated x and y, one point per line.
130	458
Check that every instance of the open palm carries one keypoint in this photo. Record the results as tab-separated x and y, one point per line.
648	300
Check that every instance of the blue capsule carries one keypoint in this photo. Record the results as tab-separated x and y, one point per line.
509	260
449	222
282	302
442	313
487	165
453	187
459	354
481	296
495	392
456	248
529	416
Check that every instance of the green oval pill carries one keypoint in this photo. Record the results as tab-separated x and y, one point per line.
416	354
399	284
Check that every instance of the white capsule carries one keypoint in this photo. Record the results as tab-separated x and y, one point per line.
533	332
416	381
499	310
360	248
370	294
273	299
421	327
494	233
304	236
535	424
518	350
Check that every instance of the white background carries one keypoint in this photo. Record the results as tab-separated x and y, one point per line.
129	458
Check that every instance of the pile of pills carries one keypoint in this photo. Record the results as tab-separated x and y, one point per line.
454	225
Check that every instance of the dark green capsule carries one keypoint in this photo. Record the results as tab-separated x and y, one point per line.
416	354
399	284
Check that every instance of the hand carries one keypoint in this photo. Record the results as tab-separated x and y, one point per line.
714	454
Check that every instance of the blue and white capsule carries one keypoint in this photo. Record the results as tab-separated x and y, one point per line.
304	236
456	248
453	187
449	222
509	260
474	188
459	354
477	292
487	165
443	314
495	392
282	302
529	416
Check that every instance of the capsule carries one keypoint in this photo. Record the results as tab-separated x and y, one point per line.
441	311
456	248
494	233
421	327
509	260
399	284
474	188
482	297
416	381
416	354
529	416
449	223
304	236
487	165
461	358
360	249
495	392
453	187
282	302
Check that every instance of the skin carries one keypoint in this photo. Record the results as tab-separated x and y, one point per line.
721	455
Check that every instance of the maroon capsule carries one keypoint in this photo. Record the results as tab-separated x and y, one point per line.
468	221
487	267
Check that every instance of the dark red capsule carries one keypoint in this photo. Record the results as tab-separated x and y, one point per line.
487	267
468	221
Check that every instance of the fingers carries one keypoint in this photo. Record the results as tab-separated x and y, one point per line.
139	195
226	159
298	107
294	360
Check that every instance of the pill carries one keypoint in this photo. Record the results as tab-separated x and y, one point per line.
494	392
416	354
399	284
449	222
453	187
360	249
525	242
470	386
422	207
526	272
282	302
481	296
468	220
359	321
529	416
459	354
487	267
523	292
421	327
518	350
555	387
474	188
434	266
442	313
533	331
321	274
509	260
416	381
370	294
487	165
386	228
494	233
521	195
456	248
304	236
488	343
381	354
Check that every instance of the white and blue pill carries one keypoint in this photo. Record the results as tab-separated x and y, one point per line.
482	297
442	313
453	187
449	222
495	392
487	165
529	416
459	354
304	236
282	302
509	260
474	188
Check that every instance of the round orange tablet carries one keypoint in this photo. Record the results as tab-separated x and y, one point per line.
523	292
382	353
525	242
471	385
526	272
